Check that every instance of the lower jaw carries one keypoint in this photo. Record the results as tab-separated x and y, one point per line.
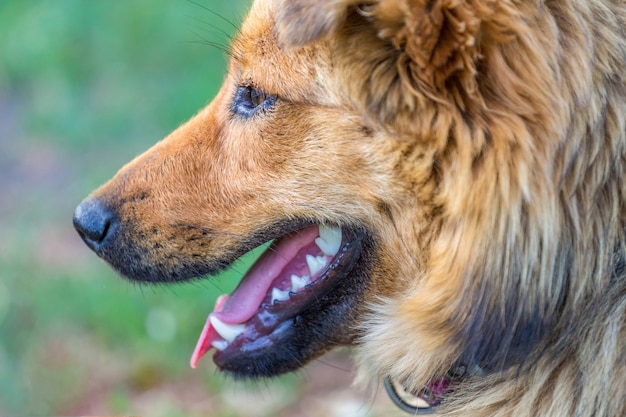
305	335
286	349
294	342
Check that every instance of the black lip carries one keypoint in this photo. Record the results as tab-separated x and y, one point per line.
134	261
282	338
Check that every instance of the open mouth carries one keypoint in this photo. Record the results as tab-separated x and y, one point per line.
294	275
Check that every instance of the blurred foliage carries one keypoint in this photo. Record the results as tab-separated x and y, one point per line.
85	86
90	70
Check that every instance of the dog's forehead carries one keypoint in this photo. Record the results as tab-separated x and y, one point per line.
300	74
259	22
256	40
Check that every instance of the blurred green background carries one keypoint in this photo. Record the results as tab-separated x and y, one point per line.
85	86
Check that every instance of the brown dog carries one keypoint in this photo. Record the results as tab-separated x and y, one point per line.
444	182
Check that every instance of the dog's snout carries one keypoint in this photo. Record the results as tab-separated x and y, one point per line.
94	222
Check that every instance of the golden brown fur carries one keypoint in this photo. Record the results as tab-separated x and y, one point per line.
483	144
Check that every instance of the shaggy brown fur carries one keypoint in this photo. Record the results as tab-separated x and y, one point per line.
481	144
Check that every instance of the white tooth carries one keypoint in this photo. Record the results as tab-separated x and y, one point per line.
219	344
330	239
278	295
297	283
228	331
315	263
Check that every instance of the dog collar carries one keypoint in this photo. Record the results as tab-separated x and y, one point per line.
428	398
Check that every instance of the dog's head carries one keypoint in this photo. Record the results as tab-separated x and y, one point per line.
418	168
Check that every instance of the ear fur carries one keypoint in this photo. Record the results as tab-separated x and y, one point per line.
437	41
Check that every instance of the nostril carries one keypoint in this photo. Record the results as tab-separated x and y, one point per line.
93	221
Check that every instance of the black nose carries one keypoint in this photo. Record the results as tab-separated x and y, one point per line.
94	222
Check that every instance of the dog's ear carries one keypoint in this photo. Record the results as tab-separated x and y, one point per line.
299	22
438	40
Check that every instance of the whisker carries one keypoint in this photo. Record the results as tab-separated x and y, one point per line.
234	268
217	233
214	13
218	30
222	48
322	361
213	233
212	282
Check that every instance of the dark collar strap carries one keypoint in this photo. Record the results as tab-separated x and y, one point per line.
424	401
407	402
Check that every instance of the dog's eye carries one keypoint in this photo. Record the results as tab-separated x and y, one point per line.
257	97
250	100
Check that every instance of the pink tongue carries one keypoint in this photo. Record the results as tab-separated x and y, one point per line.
247	297
244	302
208	335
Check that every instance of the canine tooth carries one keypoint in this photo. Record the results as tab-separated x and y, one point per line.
279	295
315	263
219	344
297	283
228	331
330	239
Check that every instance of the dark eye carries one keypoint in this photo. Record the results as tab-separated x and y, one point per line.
250	100
257	97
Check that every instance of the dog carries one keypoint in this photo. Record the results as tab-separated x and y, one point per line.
444	186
